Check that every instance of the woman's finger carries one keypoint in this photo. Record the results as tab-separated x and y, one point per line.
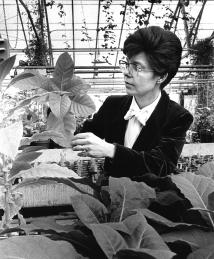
80	148
79	142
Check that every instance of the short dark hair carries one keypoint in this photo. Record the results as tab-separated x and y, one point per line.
162	48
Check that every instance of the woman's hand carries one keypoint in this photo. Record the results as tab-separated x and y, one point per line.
92	146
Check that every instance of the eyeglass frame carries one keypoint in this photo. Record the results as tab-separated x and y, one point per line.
134	67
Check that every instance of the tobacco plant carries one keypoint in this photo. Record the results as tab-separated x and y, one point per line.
64	93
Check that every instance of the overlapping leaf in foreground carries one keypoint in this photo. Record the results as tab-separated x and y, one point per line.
196	188
128	231
66	95
127	195
38	247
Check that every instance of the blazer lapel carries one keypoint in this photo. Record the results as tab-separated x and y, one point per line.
153	125
119	124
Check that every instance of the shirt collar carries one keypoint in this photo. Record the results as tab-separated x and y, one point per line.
146	111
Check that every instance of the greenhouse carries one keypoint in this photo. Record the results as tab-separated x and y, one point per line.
106	129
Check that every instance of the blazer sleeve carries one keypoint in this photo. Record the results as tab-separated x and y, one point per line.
96	125
160	160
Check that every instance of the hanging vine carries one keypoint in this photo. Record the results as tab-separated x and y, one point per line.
37	51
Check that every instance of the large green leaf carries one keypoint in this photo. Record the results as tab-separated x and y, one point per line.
10	138
59	104
82	105
63	71
65	127
69	121
74	183
83	242
5	67
108	239
196	189
144	253
152	240
56	136
36	247
95	206
206	252
34	182
27	156
197	237
19	166
211	204
127	195
158	219
207	169
136	224
88	209
46	170
119	226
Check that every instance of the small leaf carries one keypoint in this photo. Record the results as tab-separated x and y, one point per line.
10	138
5	67
36	247
82	105
108	239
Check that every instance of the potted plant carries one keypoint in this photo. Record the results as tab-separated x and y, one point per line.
64	93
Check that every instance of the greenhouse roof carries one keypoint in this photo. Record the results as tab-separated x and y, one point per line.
93	31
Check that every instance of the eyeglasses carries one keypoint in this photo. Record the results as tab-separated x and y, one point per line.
132	67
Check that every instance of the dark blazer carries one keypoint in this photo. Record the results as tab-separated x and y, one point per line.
158	145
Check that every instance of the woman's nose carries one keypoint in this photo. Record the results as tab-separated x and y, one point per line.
127	72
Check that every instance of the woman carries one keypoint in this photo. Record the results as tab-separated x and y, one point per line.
144	131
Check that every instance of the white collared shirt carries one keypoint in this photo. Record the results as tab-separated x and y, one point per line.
134	126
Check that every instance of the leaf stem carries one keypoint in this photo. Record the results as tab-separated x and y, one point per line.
123	204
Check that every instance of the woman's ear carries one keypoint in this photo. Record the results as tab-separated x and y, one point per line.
162	78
